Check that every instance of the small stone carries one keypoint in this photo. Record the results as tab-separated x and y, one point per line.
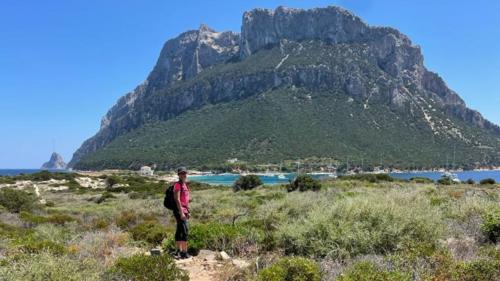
224	256
155	252
207	255
241	264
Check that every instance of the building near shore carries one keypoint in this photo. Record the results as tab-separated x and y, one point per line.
146	171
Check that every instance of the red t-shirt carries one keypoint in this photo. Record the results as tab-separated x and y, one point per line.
184	195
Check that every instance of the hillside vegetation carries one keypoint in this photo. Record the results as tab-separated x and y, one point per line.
348	229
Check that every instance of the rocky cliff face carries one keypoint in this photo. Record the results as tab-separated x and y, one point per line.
190	71
56	162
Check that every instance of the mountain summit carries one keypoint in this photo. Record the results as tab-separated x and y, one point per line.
56	162
294	84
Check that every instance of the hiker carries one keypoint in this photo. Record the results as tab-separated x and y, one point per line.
181	213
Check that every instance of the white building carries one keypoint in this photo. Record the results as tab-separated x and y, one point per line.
146	171
232	160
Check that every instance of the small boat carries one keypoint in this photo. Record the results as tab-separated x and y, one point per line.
451	176
281	176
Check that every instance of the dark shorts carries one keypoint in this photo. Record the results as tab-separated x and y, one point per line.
182	230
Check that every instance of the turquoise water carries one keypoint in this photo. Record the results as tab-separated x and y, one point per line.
229	179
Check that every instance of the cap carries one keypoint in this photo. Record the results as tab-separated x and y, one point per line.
181	170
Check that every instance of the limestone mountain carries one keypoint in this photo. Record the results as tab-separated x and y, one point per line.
56	162
295	83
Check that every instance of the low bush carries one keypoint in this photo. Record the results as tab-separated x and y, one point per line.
487	181
142	268
491	225
367	271
247	182
32	244
112	180
126	219
360	225
445	181
421	180
478	270
214	236
17	200
58	218
105	196
368	177
7	230
293	269
100	223
149	231
470	181
304	183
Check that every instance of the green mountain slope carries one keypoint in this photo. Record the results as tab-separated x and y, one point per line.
286	124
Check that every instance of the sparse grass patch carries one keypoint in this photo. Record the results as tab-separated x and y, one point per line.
46	266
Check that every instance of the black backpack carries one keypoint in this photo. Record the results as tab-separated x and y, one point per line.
169	200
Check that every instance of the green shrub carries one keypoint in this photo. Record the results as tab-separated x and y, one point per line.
49	204
247	182
444	180
360	225
214	236
291	269
126	219
105	196
149	231
58	218
367	271
100	223
17	200
479	270
112	180
142	268
421	180
487	181
11	231
31	244
470	181
491	225
304	183
368	177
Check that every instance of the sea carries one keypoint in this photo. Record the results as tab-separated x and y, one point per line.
229	179
15	172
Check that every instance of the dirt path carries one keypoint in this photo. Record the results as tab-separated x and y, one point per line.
204	267
207	266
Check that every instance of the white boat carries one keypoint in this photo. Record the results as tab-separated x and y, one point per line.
452	176
281	176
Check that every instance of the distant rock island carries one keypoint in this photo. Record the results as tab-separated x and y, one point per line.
56	162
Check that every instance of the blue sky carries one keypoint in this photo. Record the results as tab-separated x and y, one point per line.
64	63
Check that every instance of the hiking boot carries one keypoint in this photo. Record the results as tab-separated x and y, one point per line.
184	255
176	254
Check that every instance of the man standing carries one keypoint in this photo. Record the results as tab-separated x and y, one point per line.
181	213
